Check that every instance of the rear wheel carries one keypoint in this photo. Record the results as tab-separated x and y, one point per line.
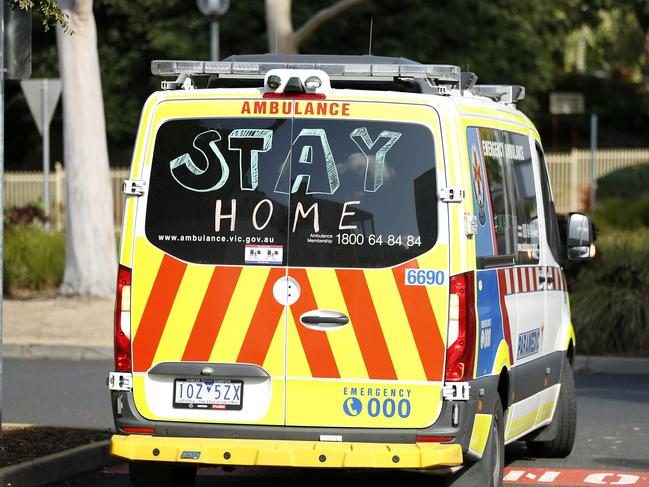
565	417
488	471
161	474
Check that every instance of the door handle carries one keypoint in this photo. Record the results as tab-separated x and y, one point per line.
323	319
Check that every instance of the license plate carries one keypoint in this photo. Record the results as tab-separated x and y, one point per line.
222	394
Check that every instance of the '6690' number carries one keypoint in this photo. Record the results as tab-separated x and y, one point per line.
425	277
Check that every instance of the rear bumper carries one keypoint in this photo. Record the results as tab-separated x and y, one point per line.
286	453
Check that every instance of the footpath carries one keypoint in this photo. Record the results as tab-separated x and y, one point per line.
72	328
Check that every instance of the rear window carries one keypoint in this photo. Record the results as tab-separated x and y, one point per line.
308	192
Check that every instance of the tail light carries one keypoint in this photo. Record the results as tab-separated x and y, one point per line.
123	320
460	352
433	439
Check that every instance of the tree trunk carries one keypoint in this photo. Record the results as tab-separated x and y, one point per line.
90	254
279	26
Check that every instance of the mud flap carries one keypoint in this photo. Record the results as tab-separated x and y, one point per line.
482	471
475	473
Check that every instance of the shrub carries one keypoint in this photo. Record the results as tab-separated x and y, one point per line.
610	297
30	214
623	213
33	258
629	182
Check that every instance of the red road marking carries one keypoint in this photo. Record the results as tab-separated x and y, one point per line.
574	477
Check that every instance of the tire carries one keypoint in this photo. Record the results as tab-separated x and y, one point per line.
161	474
497	444
488	471
565	420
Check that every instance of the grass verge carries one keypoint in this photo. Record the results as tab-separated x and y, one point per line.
33	259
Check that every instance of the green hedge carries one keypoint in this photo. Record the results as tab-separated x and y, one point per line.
622	213
629	182
610	296
33	258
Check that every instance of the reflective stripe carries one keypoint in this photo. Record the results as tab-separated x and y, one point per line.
156	312
422	323
211	313
264	322
315	343
365	323
523	279
516	280
480	433
502	275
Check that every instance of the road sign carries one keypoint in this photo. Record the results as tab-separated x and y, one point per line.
566	103
42	97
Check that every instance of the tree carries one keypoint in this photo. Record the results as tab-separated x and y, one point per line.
90	257
279	24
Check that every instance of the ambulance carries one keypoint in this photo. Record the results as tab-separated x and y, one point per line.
340	262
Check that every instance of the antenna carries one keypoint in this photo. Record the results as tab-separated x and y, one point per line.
275	35
371	31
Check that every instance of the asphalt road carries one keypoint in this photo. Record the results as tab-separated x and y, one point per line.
56	393
612	432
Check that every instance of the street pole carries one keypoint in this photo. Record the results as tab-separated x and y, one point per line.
214	40
593	159
2	167
46	153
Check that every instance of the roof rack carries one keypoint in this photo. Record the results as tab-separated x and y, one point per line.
500	93
438	78
434	72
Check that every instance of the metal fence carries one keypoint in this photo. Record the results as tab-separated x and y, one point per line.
570	173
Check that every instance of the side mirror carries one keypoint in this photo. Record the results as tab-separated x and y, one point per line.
580	237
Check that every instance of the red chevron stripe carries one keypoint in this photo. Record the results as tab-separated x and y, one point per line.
210	316
157	309
263	324
423	324
366	324
315	343
503	306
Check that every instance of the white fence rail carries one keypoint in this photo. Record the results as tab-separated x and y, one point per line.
22	188
570	174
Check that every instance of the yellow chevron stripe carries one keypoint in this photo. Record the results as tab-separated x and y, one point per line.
344	345
395	326
239	314
143	132
296	361
437	259
274	363
126	256
183	313
144	273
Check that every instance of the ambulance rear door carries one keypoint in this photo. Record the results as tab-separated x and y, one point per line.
368	256
209	263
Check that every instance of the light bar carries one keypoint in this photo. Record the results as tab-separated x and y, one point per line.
500	93
439	72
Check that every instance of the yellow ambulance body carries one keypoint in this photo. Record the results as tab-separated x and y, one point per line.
339	262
